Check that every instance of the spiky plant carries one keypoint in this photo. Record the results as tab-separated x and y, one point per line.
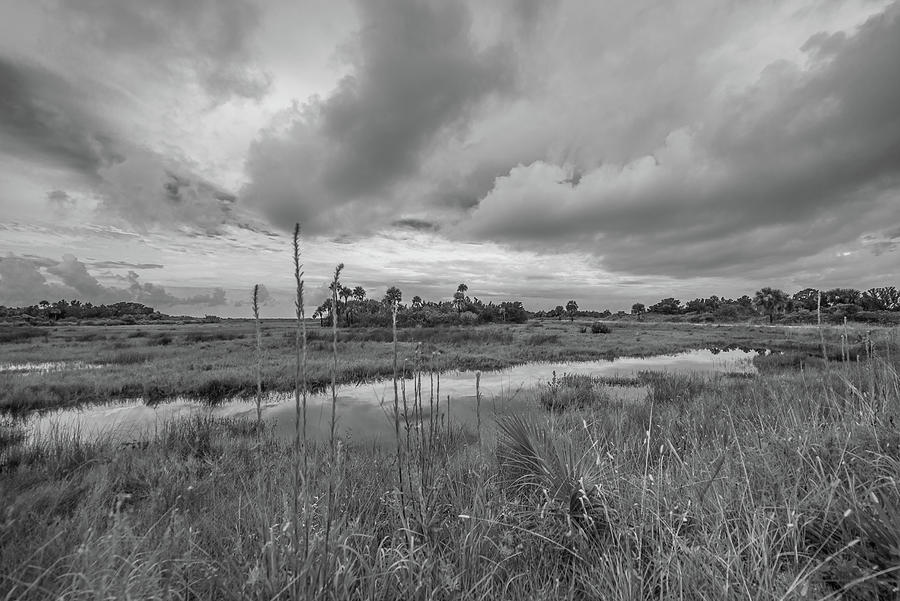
534	460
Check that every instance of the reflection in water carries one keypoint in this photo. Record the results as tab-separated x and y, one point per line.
365	411
46	367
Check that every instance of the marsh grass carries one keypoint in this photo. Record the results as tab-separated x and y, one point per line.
783	486
780	487
222	366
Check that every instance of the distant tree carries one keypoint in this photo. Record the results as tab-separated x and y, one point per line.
808	299
881	299
698	305
559	311
417	302
323	312
841	296
638	309
391	296
345	293
667	306
770	301
359	294
571	309
459	297
514	312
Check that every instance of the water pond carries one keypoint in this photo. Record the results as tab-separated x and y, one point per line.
364	412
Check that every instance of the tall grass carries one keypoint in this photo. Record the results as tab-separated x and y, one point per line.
255	304
300	475
780	487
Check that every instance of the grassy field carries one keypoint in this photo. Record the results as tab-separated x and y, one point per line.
214	362
781	486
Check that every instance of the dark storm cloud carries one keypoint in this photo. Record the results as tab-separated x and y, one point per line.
23	283
419	225
44	118
800	161
416	75
209	37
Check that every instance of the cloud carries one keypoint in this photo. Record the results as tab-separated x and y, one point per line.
74	274
45	118
416	224
263	297
23	283
48	121
147	189
208	38
157	296
417	74
123	264
60	201
804	158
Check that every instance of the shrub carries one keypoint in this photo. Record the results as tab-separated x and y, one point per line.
600	328
571	391
160	340
673	388
541	339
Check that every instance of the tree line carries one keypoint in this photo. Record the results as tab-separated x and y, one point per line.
353	308
805	305
74	308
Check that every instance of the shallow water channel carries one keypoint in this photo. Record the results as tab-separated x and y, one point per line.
365	411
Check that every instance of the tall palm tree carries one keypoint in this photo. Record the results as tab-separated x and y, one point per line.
459	298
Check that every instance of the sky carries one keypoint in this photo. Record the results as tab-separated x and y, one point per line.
610	152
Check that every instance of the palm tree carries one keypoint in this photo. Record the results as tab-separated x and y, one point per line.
359	294
417	302
392	296
770	301
345	293
459	298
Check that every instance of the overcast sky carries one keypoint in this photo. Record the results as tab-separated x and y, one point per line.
606	151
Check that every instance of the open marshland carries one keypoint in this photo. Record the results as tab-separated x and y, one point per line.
215	362
773	477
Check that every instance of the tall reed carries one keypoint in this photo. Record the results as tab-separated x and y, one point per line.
258	358
300	388
397	415
335	287
301	350
478	403
329	518
819	325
